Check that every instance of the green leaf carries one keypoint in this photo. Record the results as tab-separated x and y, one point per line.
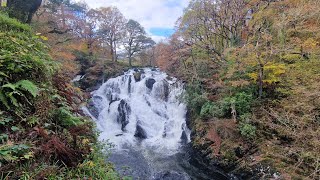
14	128
3	74
9	85
13	100
3	138
28	86
4	100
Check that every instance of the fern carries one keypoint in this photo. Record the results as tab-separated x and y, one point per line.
28	86
4	100
11	91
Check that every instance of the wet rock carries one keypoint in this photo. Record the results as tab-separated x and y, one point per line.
124	111
161	114
94	111
166	90
184	137
168	175
129	85
150	82
239	152
114	99
137	76
140	132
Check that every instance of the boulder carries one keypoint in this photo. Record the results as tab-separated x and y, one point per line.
150	82
140	132
129	85
171	175
124	112
137	76
166	90
94	111
184	137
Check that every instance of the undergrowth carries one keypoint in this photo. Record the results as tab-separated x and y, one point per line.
42	132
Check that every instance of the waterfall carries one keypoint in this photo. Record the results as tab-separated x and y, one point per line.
141	108
141	113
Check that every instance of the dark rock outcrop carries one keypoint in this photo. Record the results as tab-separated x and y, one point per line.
94	111
166	90
184	137
124	112
129	85
140	132
137	76
171	176
150	82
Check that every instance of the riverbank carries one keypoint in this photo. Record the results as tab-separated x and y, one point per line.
253	96
42	134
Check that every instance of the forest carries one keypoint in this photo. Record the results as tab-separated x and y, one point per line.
251	70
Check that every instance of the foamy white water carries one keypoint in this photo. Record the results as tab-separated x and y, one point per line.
142	112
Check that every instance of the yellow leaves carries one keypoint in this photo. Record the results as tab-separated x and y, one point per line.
85	141
44	38
310	44
240	83
29	155
3	3
89	164
254	76
291	58
272	73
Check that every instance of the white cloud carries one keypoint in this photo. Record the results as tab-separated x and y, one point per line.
158	38
149	13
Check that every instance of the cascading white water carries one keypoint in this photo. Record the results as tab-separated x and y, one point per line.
142	108
142	114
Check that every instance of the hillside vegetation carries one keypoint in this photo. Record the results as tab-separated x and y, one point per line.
253	71
41	135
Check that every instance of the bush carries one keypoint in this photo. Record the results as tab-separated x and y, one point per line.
66	118
195	97
24	65
9	24
210	109
247	130
242	102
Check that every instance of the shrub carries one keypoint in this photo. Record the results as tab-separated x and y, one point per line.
242	102
247	130
9	24
211	109
66	118
25	66
16	94
195	97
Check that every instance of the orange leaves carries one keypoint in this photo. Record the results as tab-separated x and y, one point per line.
311	45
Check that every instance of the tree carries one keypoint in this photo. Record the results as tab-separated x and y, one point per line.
23	10
136	39
111	28
210	26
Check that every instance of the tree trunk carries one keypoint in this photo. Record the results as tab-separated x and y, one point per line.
260	80
89	46
130	61
115	51
63	17
111	51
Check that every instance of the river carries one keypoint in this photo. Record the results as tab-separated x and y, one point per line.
143	115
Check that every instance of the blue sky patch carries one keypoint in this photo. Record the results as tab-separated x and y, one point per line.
173	3
166	32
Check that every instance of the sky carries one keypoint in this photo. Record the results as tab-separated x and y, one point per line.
158	17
